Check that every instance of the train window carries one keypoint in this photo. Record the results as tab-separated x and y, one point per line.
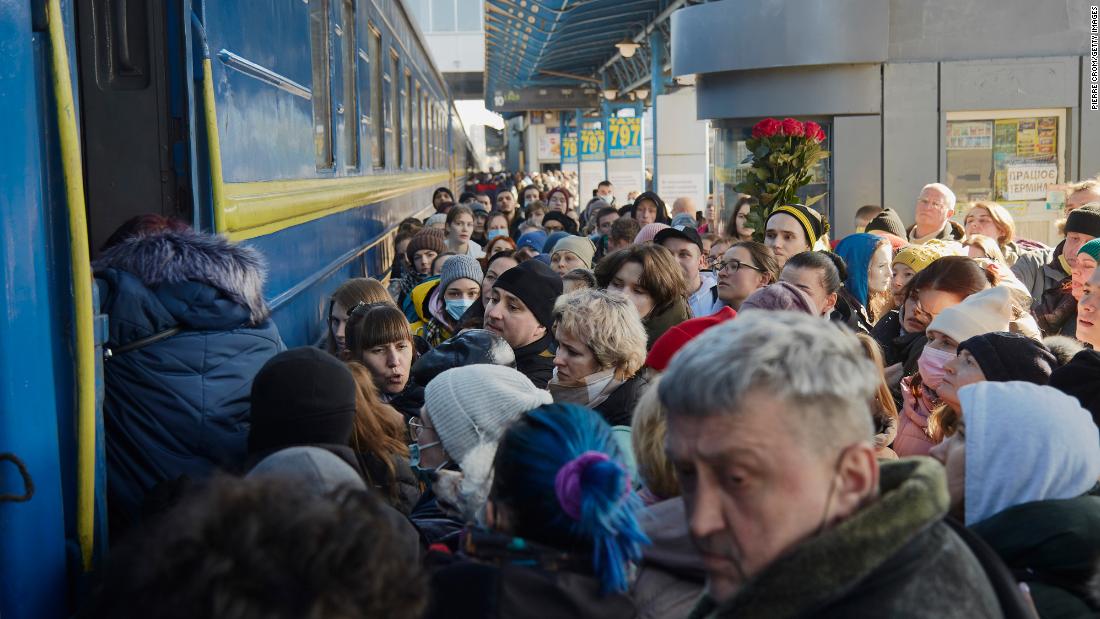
414	124
321	94
423	129
377	114
410	157
395	110
351	84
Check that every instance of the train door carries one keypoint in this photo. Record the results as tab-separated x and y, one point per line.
133	111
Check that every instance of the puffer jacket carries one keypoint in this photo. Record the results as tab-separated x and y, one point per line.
430	325
189	330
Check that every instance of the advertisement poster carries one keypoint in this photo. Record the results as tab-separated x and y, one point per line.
569	149
624	138
550	146
970	135
591	145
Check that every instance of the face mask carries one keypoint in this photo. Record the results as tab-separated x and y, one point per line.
457	307
422	474
492	234
931	364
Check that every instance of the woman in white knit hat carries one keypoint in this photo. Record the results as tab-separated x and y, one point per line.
466	411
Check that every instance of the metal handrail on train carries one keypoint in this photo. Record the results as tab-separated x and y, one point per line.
84	353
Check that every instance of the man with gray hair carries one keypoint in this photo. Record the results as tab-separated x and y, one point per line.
935	206
770	432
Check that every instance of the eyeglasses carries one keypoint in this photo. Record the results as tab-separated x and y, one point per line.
735	266
935	203
416	427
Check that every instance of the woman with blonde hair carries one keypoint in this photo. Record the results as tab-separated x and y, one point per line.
670	577
345	298
993	220
380	442
884	413
601	347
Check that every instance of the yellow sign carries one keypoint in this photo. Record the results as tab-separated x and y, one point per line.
592	142
624	138
569	149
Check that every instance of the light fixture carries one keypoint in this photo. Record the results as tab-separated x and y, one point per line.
686	80
627	48
610	94
566	91
642	92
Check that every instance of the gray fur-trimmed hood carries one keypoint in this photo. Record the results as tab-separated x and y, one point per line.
173	257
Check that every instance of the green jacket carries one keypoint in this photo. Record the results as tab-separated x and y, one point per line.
1052	546
894	558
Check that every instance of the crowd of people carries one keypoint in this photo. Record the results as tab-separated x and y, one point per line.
525	422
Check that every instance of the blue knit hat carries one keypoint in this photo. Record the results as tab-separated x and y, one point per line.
534	239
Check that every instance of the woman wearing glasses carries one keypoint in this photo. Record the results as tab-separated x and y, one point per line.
746	267
379	338
943	284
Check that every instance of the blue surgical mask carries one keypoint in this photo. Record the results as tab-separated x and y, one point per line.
423	474
492	234
457	307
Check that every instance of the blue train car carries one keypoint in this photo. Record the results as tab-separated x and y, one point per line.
307	128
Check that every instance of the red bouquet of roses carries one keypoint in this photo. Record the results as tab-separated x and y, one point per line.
783	156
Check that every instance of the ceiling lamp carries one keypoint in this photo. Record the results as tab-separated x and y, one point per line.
642	92
610	94
627	48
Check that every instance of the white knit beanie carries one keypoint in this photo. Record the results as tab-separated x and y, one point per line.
983	312
473	404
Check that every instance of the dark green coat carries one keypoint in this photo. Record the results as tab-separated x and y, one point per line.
894	558
1053	547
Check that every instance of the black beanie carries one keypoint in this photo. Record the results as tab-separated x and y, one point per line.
1085	220
1080	378
1005	357
566	221
537	285
302	396
888	221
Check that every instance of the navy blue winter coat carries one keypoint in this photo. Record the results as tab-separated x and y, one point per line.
179	406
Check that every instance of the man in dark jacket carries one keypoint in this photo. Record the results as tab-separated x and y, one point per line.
189	329
521	310
769	432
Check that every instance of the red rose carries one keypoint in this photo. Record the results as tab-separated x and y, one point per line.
792	128
766	128
813	131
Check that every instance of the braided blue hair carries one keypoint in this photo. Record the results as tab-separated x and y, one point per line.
560	473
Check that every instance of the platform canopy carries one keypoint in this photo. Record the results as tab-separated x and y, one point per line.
563	54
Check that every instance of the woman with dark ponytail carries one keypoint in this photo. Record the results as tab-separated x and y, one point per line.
563	530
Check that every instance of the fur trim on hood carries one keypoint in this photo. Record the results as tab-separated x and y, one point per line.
236	270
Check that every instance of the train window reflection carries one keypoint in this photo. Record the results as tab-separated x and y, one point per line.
321	92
